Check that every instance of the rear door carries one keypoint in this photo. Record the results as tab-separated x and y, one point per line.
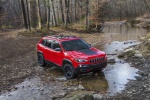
57	55
47	50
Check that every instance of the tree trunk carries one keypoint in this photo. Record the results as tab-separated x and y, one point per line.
87	14
28	16
54	12
48	14
39	14
62	11
67	12
24	14
58	20
147	5
75	10
33	13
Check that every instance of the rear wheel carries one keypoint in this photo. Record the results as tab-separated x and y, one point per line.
41	60
69	71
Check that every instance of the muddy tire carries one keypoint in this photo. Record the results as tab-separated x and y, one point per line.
41	60
69	71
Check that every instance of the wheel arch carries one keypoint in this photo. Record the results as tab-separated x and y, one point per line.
39	52
67	61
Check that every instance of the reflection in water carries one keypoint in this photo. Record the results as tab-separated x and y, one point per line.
117	76
123	33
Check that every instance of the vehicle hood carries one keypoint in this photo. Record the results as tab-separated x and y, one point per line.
86	53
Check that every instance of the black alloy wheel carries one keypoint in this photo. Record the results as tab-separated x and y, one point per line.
41	60
69	71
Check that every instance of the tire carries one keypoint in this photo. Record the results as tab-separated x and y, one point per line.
41	60
69	71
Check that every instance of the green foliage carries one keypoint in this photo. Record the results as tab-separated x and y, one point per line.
7	27
148	47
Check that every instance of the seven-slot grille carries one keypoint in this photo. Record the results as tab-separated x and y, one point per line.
96	60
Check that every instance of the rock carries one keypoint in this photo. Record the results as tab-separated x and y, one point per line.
137	52
138	77
81	87
148	41
142	38
111	60
138	55
97	97
127	50
81	97
59	94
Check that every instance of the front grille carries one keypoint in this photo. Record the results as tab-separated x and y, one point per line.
96	60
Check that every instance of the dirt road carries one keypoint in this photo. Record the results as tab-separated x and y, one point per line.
16	62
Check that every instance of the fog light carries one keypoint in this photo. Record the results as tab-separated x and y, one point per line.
83	65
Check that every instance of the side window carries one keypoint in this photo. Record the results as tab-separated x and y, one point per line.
43	42
55	45
48	43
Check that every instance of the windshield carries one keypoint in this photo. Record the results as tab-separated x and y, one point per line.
75	45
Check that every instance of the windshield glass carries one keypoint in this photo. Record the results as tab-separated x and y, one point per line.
75	45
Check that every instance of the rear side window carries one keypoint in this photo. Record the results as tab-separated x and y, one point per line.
43	42
47	43
56	45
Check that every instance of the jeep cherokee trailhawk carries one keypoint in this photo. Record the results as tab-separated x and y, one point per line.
70	53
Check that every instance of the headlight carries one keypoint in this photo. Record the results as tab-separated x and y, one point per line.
80	60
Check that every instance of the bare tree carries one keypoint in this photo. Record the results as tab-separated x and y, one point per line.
1	13
24	14
48	14
87	14
147	5
62	11
28	16
39	14
67	2
54	14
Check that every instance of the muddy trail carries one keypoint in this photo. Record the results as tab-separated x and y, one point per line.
22	78
17	58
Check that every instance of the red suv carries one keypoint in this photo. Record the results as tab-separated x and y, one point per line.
70	53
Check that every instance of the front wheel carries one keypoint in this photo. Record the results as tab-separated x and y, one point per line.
69	71
41	60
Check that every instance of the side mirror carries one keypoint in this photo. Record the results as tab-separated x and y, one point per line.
90	45
58	49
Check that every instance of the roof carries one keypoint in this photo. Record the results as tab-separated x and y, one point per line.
61	37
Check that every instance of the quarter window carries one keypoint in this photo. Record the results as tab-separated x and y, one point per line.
48	43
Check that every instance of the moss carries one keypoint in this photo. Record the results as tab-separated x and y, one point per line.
37	33
128	53
148	47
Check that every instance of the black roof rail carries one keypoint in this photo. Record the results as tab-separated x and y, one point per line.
62	36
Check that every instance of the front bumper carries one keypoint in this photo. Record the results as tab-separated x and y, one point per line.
83	68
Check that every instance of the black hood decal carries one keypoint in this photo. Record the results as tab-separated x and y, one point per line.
88	51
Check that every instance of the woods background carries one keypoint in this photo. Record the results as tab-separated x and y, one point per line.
48	13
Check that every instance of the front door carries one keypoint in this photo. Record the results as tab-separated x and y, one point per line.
57	55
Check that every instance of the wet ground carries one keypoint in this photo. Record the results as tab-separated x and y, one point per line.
49	83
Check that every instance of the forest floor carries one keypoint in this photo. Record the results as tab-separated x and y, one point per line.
18	62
